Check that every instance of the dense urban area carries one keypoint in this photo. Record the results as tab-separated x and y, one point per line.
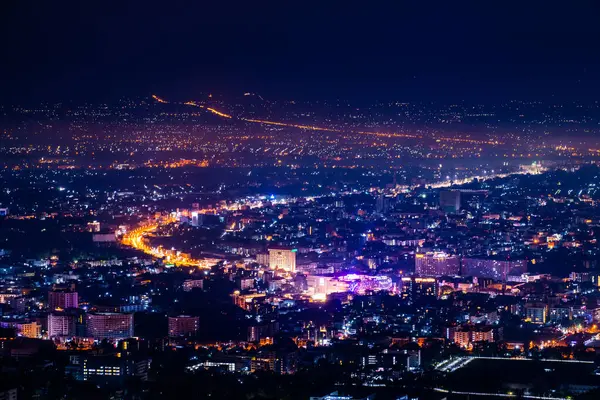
248	248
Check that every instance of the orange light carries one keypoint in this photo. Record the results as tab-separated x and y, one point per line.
155	97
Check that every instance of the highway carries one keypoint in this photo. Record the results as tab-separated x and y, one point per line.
320	128
452	364
506	395
136	239
448	183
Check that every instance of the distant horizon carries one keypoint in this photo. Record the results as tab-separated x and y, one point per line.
404	50
357	99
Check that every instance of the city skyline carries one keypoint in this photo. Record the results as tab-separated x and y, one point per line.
329	201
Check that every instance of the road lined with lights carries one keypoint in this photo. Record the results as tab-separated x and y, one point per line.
136	239
463	181
452	364
508	395
320	128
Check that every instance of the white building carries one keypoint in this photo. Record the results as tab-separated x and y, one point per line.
282	258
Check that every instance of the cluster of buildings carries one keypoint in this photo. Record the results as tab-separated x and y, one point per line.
382	281
443	264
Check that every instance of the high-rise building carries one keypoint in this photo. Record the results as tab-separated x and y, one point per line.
262	258
196	218
413	358
382	204
183	325
466	335
244	283
494	269
258	332
461	337
483	334
109	325
280	361
559	313
450	201
63	299
247	301
436	264
107	369
537	313
282	258
29	329
416	289
61	324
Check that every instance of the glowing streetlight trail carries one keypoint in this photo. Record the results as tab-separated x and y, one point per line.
507	395
136	239
313	128
155	97
324	129
212	110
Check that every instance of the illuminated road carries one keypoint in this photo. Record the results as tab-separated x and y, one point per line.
452	364
320	128
507	395
448	183
136	239
155	97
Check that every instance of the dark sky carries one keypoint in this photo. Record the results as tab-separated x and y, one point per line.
405	50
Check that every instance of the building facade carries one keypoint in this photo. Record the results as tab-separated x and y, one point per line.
436	264
61	325
62	299
280	258
183	325
109	325
416	289
494	269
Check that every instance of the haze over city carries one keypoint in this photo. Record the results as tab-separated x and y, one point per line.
299	201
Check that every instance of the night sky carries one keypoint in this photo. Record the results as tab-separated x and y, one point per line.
431	50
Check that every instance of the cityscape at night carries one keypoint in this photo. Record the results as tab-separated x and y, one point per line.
348	201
